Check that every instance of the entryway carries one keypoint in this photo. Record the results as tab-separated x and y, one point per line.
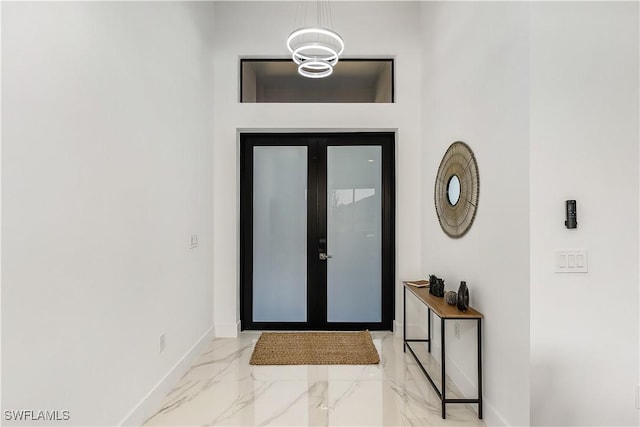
317	231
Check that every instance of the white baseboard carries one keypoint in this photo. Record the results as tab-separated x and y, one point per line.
150	402
227	330
397	328
491	416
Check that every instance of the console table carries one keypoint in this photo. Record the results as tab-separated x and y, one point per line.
445	312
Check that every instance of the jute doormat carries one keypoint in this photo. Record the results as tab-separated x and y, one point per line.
315	348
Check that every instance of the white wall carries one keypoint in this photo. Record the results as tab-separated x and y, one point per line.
475	89
106	172
260	29
584	146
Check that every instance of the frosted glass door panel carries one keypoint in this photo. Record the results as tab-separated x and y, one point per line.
354	229
280	234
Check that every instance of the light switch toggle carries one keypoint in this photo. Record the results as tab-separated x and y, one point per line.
571	261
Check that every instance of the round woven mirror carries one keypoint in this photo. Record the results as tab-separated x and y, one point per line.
457	189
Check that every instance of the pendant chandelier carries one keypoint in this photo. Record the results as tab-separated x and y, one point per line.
315	49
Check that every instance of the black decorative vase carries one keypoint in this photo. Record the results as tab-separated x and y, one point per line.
463	297
436	286
432	279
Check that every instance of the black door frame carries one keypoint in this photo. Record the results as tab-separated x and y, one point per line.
316	143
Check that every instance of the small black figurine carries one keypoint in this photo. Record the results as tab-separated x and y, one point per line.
463	297
436	286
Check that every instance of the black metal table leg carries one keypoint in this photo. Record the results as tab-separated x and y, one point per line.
429	329
404	319
444	375
480	368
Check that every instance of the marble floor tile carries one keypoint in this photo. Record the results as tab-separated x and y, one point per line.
222	389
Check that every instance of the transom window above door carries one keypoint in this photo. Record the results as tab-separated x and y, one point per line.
352	81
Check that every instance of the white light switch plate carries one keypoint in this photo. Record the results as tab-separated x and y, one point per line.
570	261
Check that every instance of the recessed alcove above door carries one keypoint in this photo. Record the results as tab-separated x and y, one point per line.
352	81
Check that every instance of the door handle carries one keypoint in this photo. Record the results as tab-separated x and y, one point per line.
323	256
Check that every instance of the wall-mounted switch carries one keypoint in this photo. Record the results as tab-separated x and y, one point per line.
561	261
571	261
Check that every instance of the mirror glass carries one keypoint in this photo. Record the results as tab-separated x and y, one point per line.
453	190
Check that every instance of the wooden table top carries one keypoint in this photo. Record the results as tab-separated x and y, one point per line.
440	306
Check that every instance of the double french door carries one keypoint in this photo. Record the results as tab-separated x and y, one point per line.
317	231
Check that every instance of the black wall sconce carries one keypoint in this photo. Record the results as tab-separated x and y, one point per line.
572	217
